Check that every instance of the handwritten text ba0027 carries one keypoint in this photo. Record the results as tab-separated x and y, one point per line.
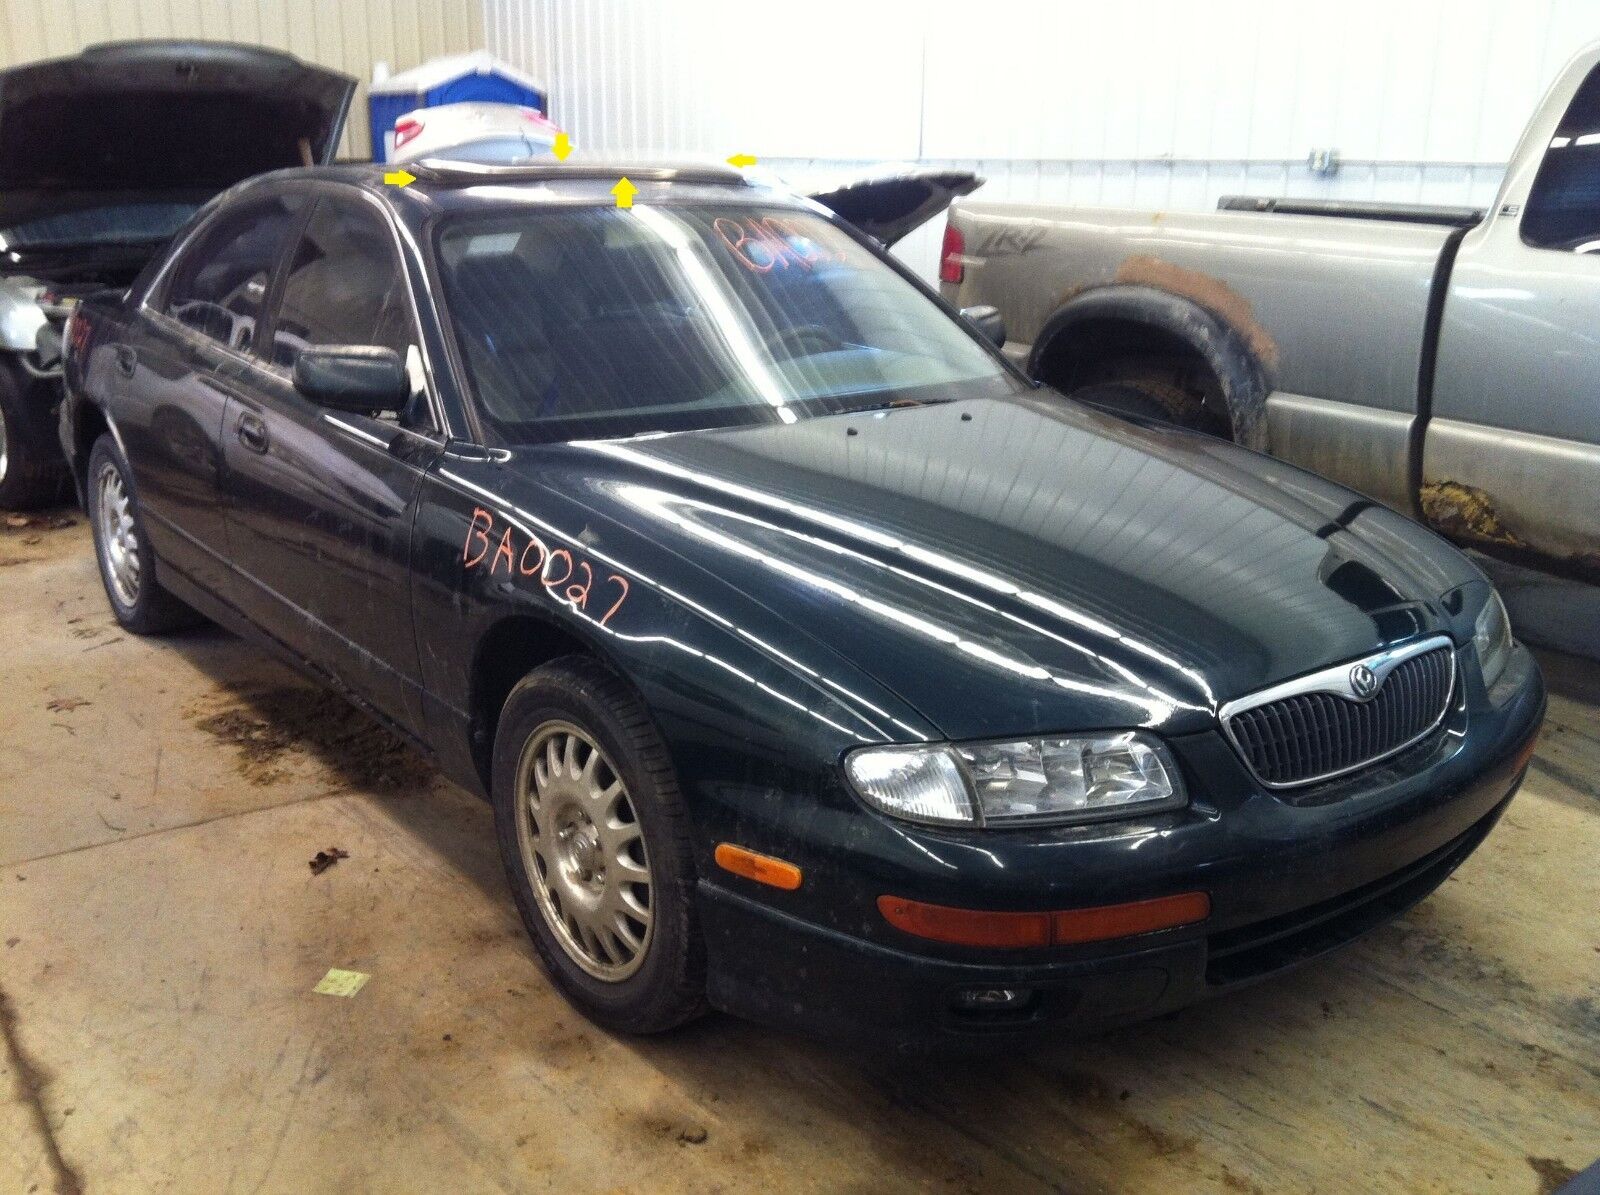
567	575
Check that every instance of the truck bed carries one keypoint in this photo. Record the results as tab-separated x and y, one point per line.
1357	209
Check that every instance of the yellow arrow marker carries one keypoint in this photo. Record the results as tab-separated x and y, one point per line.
742	160
562	147
624	191
399	178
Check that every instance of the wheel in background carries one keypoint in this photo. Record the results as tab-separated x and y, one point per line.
1148	398
29	477
595	840
127	563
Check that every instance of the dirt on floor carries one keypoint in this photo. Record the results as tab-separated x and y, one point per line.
269	730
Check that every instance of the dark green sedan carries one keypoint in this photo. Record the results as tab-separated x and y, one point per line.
819	667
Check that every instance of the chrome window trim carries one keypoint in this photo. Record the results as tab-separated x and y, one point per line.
1336	680
358	432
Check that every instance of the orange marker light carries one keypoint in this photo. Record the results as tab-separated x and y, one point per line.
965	927
982	927
1122	921
763	869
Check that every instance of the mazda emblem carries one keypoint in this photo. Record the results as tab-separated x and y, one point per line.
1363	681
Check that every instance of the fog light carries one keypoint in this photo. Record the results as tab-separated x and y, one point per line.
992	999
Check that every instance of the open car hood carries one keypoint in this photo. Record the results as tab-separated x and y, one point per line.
890	202
148	121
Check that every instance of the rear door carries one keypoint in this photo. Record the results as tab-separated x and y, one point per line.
320	502
181	362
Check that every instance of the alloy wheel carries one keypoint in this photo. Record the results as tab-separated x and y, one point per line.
583	851
118	539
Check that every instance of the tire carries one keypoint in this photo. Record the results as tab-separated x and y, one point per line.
573	849
1146	398
127	562
29	476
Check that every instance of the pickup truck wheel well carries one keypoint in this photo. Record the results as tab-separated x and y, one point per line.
510	650
1130	333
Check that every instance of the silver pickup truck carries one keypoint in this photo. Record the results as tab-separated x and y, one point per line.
1444	361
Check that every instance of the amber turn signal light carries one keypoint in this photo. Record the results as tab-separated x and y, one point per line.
763	869
981	927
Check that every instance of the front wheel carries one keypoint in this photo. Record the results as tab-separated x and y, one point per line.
127	562
595	841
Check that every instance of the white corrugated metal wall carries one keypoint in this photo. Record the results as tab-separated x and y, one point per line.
1151	103
347	35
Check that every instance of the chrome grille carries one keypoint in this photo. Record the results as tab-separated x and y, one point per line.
1317	728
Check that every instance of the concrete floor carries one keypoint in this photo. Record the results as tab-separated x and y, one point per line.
160	935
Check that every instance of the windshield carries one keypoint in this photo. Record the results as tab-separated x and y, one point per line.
587	323
117	224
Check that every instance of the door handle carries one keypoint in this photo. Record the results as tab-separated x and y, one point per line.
127	360
252	433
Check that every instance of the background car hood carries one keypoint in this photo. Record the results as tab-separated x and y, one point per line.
1027	565
892	202
151	120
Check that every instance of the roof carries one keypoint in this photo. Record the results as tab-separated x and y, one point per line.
446	172
459	186
436	72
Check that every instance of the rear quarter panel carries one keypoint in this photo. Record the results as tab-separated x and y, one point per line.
89	374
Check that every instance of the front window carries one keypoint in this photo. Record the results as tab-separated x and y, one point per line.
344	286
581	323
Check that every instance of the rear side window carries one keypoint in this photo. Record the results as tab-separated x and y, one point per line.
1563	210
344	286
219	285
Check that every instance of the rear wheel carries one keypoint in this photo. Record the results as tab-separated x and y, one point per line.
127	563
30	476
595	841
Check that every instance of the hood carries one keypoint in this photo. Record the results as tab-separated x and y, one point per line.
1014	566
889	203
145	121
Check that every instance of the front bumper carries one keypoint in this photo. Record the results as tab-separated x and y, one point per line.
1287	883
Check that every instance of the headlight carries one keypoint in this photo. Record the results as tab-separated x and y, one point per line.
1491	637
1081	778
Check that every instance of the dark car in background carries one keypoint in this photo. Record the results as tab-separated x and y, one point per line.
819	667
103	157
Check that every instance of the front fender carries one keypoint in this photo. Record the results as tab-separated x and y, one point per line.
752	713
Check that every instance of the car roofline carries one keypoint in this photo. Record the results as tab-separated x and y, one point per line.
432	176
445	172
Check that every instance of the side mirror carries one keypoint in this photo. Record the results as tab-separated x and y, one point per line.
352	377
989	323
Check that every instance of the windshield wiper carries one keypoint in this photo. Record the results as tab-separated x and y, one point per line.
891	404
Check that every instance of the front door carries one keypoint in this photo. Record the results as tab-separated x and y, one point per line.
1512	454
320	502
